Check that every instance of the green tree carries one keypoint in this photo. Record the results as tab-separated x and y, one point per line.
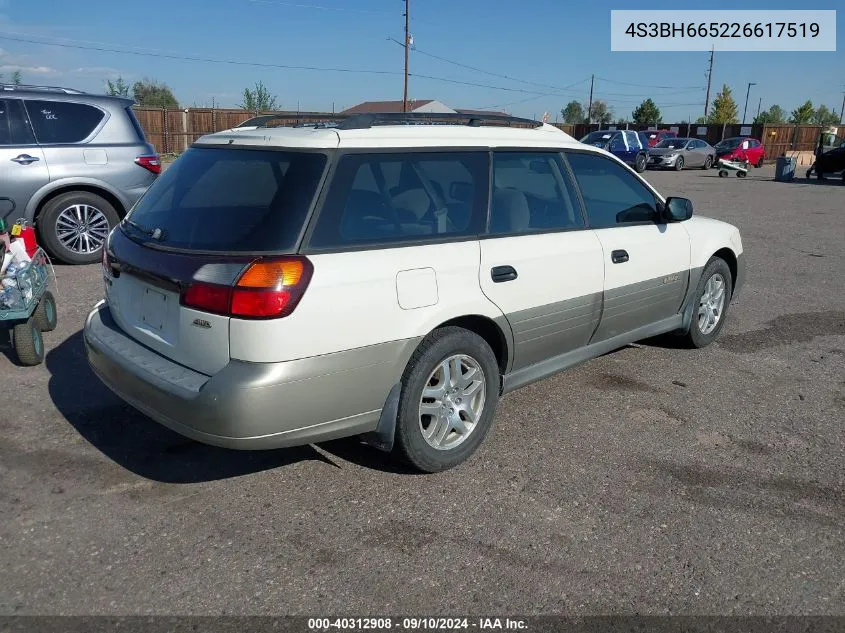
258	99
724	107
16	78
803	114
647	113
573	113
117	88
601	112
775	114
701	121
824	116
154	94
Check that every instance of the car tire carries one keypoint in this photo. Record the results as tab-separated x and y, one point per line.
28	343
759	164
819	175
46	315
703	331
679	163
641	163
70	210
429	384
708	163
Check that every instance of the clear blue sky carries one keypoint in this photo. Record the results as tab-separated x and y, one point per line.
551	42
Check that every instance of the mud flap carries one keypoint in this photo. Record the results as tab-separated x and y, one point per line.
382	437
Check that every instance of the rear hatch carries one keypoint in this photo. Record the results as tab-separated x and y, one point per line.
212	239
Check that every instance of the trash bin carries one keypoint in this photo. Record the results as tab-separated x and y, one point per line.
785	168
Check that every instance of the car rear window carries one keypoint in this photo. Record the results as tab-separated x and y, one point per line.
61	121
229	200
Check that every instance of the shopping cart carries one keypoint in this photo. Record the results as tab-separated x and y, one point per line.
27	307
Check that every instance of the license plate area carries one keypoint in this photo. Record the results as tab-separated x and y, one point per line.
153	309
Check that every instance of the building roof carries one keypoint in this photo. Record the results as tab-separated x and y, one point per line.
377	107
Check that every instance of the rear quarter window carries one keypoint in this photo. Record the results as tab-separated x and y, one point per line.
62	122
382	198
229	200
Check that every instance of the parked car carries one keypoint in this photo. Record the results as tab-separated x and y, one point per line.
677	153
72	164
656	136
830	159
284	286
624	144
741	149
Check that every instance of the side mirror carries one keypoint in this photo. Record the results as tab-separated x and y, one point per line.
677	209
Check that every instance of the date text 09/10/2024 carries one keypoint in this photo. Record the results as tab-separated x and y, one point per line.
416	624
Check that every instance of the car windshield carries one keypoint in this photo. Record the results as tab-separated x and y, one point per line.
729	143
229	200
672	143
597	137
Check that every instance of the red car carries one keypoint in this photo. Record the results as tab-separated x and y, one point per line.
741	149
655	136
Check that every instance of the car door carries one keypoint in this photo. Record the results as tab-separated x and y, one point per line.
619	148
695	154
23	170
539	264
645	261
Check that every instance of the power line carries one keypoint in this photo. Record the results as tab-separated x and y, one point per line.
299	5
534	98
108	49
476	69
209	60
639	85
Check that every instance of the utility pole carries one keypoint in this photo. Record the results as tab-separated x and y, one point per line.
407	26
590	107
747	92
759	105
709	78
842	110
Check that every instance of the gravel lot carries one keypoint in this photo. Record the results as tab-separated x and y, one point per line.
652	480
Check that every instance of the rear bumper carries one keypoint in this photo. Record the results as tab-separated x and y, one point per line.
248	405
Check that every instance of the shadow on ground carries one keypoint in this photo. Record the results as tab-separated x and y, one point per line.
136	442
772	494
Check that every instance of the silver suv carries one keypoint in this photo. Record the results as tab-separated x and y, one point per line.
72	164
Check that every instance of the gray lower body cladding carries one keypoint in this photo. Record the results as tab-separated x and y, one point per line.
560	327
249	405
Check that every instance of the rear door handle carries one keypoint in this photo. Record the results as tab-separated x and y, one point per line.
619	257
503	273
24	159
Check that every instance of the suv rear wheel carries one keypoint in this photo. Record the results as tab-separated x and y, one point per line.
74	226
450	390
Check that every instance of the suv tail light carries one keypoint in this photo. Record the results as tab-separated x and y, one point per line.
267	289
150	162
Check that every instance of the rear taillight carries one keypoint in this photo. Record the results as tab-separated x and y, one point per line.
267	289
150	162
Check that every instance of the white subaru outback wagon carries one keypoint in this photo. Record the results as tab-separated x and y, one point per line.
390	279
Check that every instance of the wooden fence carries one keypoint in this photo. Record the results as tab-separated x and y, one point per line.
173	131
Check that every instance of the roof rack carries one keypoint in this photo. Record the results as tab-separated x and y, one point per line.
264	119
364	121
69	91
